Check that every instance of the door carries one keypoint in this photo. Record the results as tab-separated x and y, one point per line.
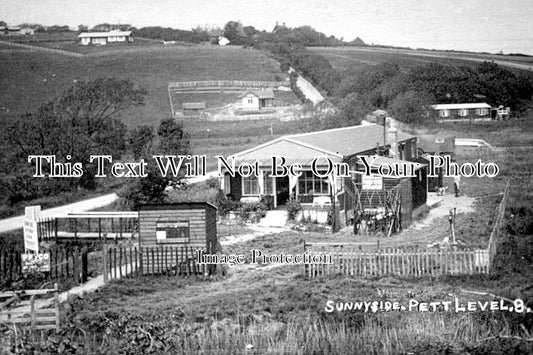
282	190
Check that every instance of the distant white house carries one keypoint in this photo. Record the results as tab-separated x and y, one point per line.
222	41
463	112
102	38
256	100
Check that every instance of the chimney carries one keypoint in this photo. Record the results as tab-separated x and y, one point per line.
392	138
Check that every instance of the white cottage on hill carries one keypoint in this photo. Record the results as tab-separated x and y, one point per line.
256	100
102	38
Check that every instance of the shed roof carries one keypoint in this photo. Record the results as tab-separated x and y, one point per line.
335	143
104	34
175	206
194	105
460	106
261	94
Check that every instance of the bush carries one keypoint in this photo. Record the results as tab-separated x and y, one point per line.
253	212
293	207
268	201
225	205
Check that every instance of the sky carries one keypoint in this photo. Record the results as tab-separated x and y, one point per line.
473	25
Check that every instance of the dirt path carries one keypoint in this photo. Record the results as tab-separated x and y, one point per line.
310	92
462	204
258	232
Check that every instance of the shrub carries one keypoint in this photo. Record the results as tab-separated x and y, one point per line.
253	212
225	204
293	207
268	201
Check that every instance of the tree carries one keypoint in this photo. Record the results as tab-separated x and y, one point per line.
84	121
151	189
411	107
172	138
83	28
140	141
233	31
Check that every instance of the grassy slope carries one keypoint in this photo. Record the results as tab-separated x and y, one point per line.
34	77
344	57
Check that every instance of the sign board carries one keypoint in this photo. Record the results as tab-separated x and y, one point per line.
372	182
31	239
35	262
177	232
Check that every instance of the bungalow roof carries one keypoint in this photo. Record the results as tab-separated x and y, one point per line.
334	143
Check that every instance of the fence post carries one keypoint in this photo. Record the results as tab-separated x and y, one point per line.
56	301
75	265
104	262
32	312
84	264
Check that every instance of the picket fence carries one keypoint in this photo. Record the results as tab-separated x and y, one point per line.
402	262
226	84
349	259
120	262
65	263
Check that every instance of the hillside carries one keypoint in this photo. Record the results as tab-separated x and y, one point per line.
34	77
343	57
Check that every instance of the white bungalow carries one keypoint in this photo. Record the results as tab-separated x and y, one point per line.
103	38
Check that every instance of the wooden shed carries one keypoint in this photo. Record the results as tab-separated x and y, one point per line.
176	231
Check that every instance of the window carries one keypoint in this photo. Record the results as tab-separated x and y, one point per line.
250	100
463	112
482	111
309	184
444	113
250	185
172	232
267	184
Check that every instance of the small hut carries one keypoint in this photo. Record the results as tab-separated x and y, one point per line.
176	231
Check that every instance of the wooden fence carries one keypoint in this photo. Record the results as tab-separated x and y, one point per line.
226	84
65	263
13	304
404	262
89	225
168	260
497	229
350	259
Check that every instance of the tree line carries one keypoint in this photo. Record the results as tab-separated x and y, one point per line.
86	120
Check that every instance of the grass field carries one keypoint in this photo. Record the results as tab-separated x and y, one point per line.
34	77
347	57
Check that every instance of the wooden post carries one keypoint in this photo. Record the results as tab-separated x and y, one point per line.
32	312
84	264
104	262
56	301
141	270
153	261
75	266
99	228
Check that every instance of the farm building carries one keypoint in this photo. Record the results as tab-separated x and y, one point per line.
102	38
190	226
325	149
193	107
256	100
463	112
